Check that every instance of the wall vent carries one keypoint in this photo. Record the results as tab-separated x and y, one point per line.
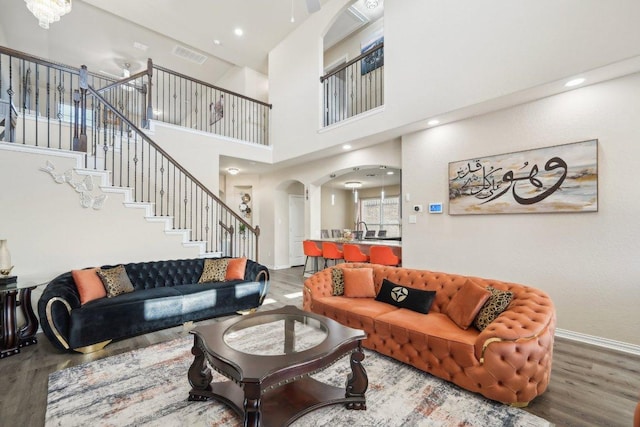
189	55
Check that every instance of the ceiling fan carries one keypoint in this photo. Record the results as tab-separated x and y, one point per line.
313	6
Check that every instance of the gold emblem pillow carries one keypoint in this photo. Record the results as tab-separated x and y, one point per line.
115	280
496	304
214	270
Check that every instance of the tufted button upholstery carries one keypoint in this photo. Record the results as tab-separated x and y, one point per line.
509	361
169	289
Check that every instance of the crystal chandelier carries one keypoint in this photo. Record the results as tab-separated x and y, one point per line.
48	11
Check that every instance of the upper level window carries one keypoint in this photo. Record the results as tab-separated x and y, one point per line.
354	63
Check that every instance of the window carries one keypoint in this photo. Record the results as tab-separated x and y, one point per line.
381	214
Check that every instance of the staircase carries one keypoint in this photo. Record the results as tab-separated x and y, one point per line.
60	110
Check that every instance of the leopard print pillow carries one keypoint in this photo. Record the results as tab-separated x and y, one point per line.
337	282
496	304
214	270
115	281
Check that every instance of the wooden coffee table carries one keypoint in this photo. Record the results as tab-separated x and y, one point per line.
269	379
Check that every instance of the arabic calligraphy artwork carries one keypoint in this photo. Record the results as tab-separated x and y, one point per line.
563	178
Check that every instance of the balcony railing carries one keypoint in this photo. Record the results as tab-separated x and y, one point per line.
61	107
355	87
192	103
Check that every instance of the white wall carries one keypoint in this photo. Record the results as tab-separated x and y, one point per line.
445	56
587	262
199	152
340	215
48	231
246	81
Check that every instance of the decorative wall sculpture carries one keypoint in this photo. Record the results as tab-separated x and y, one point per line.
562	178
84	186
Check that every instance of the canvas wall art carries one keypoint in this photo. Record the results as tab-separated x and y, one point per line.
375	59
562	178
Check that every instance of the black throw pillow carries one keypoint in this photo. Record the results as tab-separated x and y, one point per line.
405	297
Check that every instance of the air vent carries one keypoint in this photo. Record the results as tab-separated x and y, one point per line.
189	55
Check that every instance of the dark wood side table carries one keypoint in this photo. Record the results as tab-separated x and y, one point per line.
269	381
14	337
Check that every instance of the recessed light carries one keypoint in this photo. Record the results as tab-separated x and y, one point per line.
353	184
574	82
346	147
433	122
238	32
390	172
233	171
216	42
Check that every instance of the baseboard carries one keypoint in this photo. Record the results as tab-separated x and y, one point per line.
599	341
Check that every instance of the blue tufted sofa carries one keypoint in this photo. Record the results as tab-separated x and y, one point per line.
167	293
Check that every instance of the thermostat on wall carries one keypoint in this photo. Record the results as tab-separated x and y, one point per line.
435	208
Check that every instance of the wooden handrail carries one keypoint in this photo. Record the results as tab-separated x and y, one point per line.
152	143
350	63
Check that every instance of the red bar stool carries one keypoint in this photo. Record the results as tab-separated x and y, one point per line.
383	255
311	250
352	253
330	251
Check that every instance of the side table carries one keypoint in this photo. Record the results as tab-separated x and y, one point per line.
14	336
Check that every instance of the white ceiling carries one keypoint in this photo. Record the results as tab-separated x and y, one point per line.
101	33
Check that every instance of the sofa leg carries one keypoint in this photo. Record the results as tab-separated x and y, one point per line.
245	312
519	404
93	347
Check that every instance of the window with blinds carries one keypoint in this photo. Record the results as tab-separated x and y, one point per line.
381	214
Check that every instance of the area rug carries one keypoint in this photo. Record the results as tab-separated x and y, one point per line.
149	387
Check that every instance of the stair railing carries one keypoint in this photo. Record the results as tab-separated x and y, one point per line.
74	115
136	161
354	87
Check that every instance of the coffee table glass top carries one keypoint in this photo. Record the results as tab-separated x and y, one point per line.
286	334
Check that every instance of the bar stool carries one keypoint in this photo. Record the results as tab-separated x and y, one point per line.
330	251
352	253
311	250
383	255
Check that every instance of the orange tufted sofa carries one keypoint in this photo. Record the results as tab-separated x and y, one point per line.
509	361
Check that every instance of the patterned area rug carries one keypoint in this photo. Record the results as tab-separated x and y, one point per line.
149	387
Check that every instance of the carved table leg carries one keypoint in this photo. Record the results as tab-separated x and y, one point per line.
199	373
9	337
357	382
27	333
252	413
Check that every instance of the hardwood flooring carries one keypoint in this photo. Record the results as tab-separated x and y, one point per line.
590	386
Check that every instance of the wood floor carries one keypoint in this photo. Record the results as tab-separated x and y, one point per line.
590	386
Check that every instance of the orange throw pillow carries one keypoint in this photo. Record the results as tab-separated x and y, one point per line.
466	303
235	269
358	283
89	285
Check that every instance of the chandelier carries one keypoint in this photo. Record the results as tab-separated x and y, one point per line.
48	11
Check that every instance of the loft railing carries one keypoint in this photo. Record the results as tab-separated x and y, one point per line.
59	107
354	87
192	103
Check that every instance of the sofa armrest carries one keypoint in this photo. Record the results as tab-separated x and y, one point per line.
57	301
316	286
530	315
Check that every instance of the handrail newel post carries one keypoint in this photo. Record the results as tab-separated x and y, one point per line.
149	97
84	85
